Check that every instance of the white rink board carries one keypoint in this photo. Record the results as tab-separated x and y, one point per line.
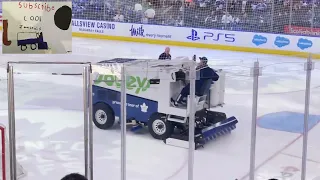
40	126
203	36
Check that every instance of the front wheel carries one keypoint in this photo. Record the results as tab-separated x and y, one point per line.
103	116
23	47
159	127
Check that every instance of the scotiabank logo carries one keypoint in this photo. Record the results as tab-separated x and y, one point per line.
298	30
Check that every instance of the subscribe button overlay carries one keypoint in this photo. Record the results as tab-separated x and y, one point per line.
36	27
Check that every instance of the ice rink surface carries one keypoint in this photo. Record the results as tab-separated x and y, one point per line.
49	119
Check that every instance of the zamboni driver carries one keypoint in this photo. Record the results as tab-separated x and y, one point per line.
205	73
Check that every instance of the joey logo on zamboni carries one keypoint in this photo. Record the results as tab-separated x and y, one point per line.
133	82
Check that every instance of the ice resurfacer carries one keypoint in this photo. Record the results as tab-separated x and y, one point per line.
150	85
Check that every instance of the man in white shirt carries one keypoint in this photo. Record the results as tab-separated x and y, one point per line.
119	17
227	18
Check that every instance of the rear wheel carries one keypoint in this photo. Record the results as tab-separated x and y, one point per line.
103	116
159	127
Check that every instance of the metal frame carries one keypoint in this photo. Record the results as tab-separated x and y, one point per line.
255	73
191	115
123	120
88	115
192	78
308	67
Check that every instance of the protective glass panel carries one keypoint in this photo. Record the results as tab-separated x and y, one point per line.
152	116
227	138
106	113
49	119
51	103
280	123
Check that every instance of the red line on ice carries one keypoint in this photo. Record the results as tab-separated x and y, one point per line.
295	156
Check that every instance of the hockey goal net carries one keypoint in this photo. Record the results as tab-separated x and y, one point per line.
5	157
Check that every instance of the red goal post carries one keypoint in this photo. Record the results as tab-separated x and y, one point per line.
5	157
3	151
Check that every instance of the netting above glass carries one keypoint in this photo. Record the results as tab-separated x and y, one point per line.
277	16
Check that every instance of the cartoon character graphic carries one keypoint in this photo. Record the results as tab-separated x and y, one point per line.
35	35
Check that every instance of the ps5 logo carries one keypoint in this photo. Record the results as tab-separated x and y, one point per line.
211	36
194	35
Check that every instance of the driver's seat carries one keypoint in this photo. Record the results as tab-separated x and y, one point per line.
204	89
202	92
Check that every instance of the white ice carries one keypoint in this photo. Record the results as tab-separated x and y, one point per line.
50	120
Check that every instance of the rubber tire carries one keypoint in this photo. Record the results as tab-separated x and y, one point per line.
169	126
109	112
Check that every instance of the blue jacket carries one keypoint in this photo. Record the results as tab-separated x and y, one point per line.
205	74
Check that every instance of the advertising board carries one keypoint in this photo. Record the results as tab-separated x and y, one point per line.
196	36
304	31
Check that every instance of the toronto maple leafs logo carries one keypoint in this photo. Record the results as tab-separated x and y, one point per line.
144	107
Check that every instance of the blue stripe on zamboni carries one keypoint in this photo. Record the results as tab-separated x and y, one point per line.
224	127
134	103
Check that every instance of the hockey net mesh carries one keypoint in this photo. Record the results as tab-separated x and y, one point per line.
275	16
5	158
299	17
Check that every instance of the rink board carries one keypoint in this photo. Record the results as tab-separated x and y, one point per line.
199	45
266	43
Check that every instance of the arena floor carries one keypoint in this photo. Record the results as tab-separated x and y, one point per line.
49	119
